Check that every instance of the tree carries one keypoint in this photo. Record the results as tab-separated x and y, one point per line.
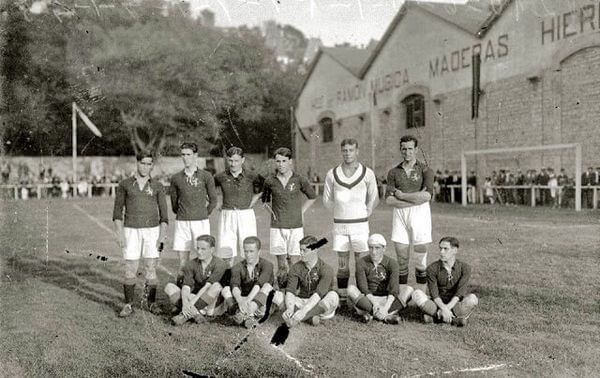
42	61
146	73
156	76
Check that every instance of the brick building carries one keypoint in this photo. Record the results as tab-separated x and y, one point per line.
539	84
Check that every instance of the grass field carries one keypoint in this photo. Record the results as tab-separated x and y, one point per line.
536	272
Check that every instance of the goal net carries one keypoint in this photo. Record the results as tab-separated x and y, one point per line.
576	147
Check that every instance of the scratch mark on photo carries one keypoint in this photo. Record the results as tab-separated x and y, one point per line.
224	10
213	53
360	9
274	2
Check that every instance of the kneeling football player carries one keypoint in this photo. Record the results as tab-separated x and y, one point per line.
311	291
379	293
447	280
251	282
202	284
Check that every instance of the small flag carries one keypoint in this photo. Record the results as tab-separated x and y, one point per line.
87	121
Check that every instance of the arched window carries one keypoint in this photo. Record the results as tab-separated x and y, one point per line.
326	129
415	111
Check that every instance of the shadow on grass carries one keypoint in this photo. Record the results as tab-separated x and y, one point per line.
82	278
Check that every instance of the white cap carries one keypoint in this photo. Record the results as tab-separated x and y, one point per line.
377	239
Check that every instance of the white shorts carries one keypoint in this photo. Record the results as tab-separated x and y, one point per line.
351	237
286	241
331	302
141	242
379	300
234	227
187	231
412	225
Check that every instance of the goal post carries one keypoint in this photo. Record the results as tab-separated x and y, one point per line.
567	146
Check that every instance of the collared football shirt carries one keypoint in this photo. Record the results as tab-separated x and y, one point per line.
303	282
238	191
286	202
381	279
420	177
446	285
189	194
140	208
241	277
195	277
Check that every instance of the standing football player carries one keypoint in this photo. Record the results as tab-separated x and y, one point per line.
241	190
310	295
189	191
351	190
140	218
378	293
409	190
251	282
202	283
286	190
448	283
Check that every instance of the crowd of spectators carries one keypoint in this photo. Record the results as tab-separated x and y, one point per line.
553	188
50	184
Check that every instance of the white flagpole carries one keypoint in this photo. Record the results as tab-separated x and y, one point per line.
74	122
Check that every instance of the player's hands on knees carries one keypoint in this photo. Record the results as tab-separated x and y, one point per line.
287	315
292	319
380	314
243	306
188	310
447	315
376	309
298	316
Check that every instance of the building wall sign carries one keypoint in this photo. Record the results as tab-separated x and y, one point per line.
461	58
583	20
359	91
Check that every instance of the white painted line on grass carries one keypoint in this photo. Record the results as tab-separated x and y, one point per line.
111	232
483	368
94	219
467	370
294	360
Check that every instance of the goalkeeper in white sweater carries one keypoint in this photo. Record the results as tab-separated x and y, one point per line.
351	190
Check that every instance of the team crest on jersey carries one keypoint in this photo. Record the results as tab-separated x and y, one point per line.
381	274
192	180
292	186
313	276
414	175
149	191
